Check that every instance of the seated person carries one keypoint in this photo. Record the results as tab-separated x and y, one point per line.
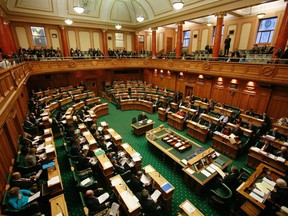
250	112
274	133
237	131
31	159
25	183
168	108
280	193
142	117
283	153
18	198
180	113
224	119
92	202
156	104
266	147
135	183
85	162
149	207
231	178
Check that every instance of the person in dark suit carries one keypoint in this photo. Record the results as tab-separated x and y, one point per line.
84	162
266	123
280	193
135	183
231	178
237	131
266	147
274	133
149	207
283	153
92	202
227	42
143	117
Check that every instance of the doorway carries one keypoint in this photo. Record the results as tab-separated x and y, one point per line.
91	84
188	91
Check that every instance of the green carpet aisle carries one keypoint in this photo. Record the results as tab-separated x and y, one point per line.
120	121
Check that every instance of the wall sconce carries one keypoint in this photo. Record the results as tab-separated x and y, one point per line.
181	75
161	74
250	86
261	15
155	72
234	84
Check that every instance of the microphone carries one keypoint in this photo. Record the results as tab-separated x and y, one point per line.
60	208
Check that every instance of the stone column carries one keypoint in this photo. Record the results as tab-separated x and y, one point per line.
4	42
8	34
217	39
63	33
136	42
283	34
104	43
154	53
179	40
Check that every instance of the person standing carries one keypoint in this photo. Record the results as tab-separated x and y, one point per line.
227	45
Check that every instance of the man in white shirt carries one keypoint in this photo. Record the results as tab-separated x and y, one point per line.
224	118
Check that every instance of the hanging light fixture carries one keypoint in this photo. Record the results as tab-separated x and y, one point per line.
260	15
209	24
68	21
78	6
178	4
118	26
140	18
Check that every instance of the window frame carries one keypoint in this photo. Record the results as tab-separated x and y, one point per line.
37	35
265	33
186	39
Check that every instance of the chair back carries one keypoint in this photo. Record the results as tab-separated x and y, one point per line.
134	120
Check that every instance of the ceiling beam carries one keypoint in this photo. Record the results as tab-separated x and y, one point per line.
235	14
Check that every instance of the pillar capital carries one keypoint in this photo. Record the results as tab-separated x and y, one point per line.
180	23
154	28
220	14
104	30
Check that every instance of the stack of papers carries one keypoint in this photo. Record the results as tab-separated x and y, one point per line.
149	169
34	196
155	195
190	171
115	182
53	181
166	187
85	181
145	179
103	197
114	209
205	172
188	207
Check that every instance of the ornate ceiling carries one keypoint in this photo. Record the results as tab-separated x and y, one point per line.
107	13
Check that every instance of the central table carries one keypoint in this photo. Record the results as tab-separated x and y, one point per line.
140	128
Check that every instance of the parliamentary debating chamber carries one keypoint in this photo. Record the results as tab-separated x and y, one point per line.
144	107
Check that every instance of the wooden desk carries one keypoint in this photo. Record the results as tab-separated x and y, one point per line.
174	106
115	137
275	142
100	109
133	155
202	105
90	138
58	205
121	96
188	209
223	111
161	114
196	168
245	188
93	100
66	88
249	119
75	91
159	183
44	100
209	118
187	110
134	104
197	131
281	128
155	136
65	101
125	195
175	121
137	95
78	106
246	131
140	128
222	143
256	157
105	165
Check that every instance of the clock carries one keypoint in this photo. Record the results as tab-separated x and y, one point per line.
268	23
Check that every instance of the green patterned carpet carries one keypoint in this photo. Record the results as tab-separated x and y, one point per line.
120	121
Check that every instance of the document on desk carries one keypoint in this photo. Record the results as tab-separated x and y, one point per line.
256	197
129	199
149	169
188	207
125	145
218	170
116	181
210	169
114	209
34	196
270	182
53	181
190	171
205	172
103	198
107	165
155	195
166	187
85	181
145	179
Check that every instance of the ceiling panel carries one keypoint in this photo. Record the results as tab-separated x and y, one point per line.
42	5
